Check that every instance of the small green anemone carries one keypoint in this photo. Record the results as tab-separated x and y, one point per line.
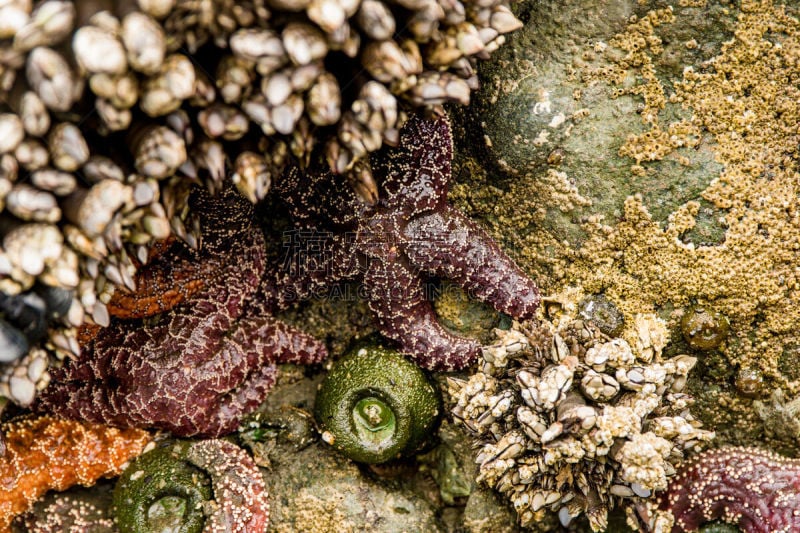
160	492
703	328
375	406
719	527
601	311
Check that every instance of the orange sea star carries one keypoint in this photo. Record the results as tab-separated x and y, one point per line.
46	453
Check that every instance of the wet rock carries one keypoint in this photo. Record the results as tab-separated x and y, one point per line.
335	495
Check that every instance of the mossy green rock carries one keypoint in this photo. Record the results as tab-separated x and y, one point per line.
375	406
160	492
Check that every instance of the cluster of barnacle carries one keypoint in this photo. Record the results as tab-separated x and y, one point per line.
110	111
76	214
574	421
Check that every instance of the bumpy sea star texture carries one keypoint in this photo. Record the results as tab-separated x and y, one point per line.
203	364
45	454
160	287
755	489
67	514
410	233
240	496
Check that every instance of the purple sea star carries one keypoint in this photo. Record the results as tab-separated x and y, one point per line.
240	497
200	366
412	232
755	489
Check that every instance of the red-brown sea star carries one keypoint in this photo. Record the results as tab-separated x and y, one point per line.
411	233
202	365
755	489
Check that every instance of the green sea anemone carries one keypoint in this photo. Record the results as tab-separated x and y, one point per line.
375	406
189	486
719	527
602	311
161	492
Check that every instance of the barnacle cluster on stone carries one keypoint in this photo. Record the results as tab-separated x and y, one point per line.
571	420
734	247
109	111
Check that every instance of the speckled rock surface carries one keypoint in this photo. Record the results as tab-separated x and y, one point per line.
549	85
646	151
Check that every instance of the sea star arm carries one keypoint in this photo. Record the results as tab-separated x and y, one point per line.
269	340
410	232
447	244
160	289
241	504
397	299
197	370
414	175
46	453
318	258
199	397
181	272
755	489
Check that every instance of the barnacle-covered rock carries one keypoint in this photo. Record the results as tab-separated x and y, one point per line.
23	377
430	63
572	421
73	220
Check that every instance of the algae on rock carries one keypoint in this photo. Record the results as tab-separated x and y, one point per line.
652	157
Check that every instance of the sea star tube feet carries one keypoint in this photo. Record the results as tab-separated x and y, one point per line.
410	233
202	365
755	489
241	503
